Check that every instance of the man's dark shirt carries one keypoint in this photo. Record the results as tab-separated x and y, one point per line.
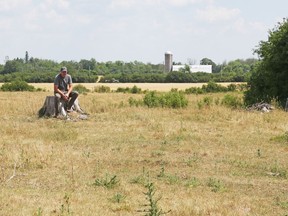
63	82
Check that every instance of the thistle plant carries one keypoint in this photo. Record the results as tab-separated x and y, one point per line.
152	207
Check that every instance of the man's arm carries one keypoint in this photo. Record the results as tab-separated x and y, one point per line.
70	88
57	90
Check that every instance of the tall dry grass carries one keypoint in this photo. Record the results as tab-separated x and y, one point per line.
208	161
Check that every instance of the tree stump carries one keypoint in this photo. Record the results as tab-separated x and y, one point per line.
49	109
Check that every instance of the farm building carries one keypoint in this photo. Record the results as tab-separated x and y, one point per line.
194	68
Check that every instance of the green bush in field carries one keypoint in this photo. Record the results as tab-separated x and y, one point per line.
194	90
232	101
17	86
102	89
242	87
80	89
169	100
231	87
134	102
123	90
206	102
174	100
151	99
133	90
214	87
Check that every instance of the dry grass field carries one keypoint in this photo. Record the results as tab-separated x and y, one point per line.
202	161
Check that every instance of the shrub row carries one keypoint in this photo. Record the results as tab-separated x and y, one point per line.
213	87
133	90
229	100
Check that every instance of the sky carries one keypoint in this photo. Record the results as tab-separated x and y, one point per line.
136	30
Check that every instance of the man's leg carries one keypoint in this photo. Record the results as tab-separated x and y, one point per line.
73	96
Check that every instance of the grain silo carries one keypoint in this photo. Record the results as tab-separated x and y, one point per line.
168	61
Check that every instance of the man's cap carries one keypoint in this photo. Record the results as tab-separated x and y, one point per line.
63	69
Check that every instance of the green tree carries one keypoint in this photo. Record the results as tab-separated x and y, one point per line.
26	57
239	66
207	61
13	66
186	69
269	80
88	64
1	68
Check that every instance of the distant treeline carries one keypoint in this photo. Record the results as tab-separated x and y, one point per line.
34	70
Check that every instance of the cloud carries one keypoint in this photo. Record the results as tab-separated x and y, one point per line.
59	4
240	26
122	4
33	15
258	26
44	13
214	14
8	5
55	16
245	27
136	3
83	19
5	24
63	4
187	2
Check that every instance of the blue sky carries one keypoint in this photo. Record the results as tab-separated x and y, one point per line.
136	30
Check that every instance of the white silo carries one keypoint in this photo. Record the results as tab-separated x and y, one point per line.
168	61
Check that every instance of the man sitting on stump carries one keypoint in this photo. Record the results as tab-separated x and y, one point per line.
63	88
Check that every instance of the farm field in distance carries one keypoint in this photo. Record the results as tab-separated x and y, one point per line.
202	160
114	86
164	87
